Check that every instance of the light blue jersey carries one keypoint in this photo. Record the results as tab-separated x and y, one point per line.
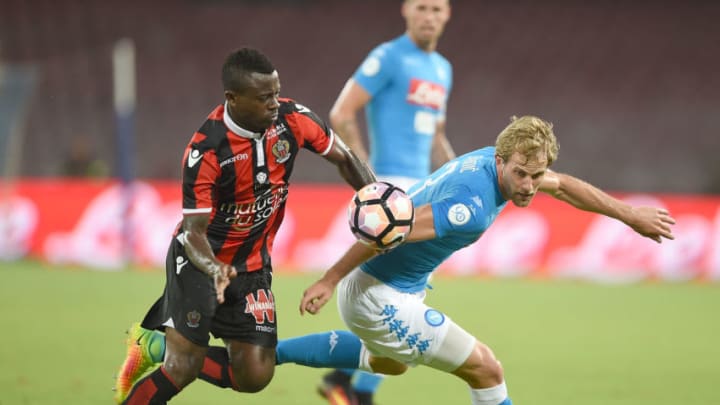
465	198
409	89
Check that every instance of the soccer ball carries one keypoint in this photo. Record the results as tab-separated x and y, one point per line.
381	215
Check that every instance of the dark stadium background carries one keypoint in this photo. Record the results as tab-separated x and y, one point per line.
632	87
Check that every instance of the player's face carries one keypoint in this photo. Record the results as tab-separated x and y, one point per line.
520	177
255	108
426	20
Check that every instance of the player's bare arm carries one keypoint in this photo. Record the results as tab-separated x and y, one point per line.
318	294
344	113
424	225
201	255
442	151
651	222
355	171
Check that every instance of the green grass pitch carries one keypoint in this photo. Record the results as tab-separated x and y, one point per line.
560	342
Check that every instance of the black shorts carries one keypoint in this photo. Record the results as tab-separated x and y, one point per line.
189	304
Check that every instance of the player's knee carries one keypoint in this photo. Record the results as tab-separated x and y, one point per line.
253	369
183	369
252	380
387	366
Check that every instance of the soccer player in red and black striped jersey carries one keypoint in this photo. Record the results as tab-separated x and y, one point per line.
236	172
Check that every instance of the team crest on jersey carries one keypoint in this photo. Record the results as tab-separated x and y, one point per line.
281	151
193	319
261	305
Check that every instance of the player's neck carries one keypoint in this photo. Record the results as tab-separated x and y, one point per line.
427	46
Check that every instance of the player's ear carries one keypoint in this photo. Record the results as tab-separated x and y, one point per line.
229	96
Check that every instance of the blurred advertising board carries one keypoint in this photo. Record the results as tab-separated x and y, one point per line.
85	222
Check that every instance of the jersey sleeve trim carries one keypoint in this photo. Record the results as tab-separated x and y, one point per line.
197	210
330	144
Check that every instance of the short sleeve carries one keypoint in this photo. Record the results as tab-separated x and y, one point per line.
312	133
458	215
376	71
199	175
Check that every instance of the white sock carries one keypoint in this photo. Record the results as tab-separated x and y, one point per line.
489	396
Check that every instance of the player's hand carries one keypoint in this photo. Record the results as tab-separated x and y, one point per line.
222	280
653	223
316	296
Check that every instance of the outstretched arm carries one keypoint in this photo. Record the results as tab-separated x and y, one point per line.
651	222
318	294
321	291
355	171
201	255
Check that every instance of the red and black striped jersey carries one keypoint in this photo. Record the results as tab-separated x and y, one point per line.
241	179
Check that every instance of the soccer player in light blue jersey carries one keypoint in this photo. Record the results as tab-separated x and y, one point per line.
403	86
380	297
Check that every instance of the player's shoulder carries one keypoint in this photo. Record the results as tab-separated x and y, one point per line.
388	49
289	106
443	60
212	131
299	116
475	167
480	156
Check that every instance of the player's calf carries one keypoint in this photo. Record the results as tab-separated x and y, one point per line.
481	369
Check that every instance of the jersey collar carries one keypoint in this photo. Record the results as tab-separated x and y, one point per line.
237	129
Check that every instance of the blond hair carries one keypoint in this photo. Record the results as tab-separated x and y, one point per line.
527	135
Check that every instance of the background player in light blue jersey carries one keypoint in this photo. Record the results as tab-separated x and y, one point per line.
380	297
403	85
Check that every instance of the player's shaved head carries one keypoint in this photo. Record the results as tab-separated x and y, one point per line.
240	64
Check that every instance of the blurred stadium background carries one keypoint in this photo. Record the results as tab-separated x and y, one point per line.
632	87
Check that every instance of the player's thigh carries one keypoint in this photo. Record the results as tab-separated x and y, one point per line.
248	314
247	322
454	350
189	301
399	325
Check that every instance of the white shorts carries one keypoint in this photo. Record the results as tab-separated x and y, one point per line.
400	181
399	325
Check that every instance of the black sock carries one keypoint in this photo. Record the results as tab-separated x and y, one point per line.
155	389
216	368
